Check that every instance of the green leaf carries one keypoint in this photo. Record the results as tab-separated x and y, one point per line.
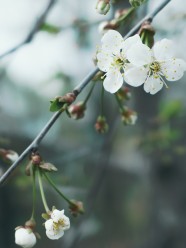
55	105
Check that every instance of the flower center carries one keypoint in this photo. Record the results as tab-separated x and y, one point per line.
57	225
155	67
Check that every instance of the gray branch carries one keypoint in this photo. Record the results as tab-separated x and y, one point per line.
77	90
33	31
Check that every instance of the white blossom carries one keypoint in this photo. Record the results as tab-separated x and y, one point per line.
151	66
57	224
112	58
25	237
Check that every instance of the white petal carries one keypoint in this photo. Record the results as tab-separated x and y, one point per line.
153	85
130	41
136	76
163	50
104	60
66	222
54	235
113	81
57	215
139	54
112	41
173	69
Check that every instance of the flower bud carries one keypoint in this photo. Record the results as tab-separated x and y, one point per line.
123	94
128	116
136	3
76	208
77	110
103	6
25	237
147	33
9	156
101	125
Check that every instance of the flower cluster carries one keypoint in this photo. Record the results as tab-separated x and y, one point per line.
135	63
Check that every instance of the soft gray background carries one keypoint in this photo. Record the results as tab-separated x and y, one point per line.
132	180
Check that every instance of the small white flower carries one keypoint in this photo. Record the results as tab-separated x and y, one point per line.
112	58
56	226
151	66
25	237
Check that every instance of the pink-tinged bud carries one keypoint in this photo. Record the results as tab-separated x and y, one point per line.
123	94
128	116
77	111
76	208
103	6
68	98
101	125
36	159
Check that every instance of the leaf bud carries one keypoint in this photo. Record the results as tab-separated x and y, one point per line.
147	33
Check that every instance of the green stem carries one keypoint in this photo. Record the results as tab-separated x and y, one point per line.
33	191
42	192
119	103
56	189
89	94
125	16
102	97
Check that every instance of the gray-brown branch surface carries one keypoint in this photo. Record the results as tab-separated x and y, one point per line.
77	90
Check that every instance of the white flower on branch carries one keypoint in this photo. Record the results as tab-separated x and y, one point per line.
57	224
151	66
112	58
25	237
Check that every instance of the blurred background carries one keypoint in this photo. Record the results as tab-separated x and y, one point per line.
132	180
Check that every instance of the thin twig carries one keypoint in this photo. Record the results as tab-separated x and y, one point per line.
33	31
77	90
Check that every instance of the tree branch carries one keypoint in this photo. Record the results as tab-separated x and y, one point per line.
33	31
77	90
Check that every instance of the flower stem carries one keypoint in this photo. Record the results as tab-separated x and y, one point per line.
42	192
89	94
119	103
56	189
33	191
102	97
125	16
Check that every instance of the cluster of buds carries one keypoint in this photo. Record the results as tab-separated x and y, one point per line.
77	111
128	116
58	102
136	3
103	6
101	125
